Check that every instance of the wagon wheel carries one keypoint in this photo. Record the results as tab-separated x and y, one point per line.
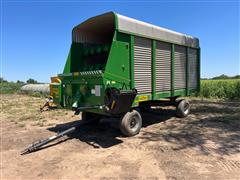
131	123
183	108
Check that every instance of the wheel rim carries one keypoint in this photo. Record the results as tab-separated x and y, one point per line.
133	123
186	108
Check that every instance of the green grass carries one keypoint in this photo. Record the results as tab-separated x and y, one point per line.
228	89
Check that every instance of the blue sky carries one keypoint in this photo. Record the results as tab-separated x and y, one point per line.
36	35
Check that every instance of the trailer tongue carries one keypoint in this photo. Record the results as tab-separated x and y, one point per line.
38	145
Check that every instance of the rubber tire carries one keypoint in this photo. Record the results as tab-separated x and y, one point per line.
183	108
91	118
125	123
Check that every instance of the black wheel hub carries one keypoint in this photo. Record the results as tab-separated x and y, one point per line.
133	123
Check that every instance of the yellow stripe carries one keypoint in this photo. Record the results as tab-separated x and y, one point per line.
113	104
76	74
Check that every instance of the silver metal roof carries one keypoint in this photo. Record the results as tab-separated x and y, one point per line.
148	30
140	28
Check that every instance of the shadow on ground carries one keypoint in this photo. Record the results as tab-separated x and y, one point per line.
106	133
215	122
103	134
213	127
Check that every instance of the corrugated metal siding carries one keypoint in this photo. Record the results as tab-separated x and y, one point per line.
180	67
142	65
163	66
192	66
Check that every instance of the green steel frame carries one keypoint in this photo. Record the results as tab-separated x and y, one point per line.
172	70
132	60
153	69
187	69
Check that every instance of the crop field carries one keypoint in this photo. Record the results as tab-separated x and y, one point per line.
205	145
221	89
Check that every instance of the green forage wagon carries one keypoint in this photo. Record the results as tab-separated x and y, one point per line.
118	66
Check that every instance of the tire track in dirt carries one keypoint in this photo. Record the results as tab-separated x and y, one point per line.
228	165
136	144
167	154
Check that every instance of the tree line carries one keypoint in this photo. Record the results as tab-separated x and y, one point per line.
29	81
223	76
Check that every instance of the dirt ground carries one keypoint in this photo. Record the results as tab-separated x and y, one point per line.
205	145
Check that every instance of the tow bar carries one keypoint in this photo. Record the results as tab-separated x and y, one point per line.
39	144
